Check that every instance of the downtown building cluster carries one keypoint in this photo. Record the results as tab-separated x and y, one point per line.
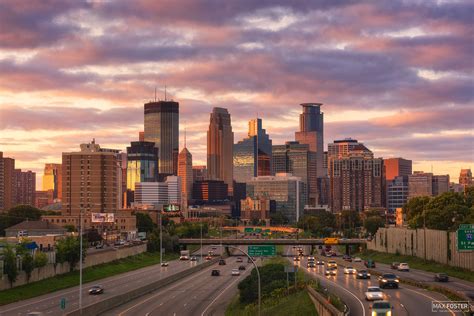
250	179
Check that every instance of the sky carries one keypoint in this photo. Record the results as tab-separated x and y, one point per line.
395	75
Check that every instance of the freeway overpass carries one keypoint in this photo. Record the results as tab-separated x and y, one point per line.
241	241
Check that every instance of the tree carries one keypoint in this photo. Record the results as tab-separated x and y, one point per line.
28	265
320	223
93	236
17	215
170	242
70	228
372	223
144	223
415	206
68	249
9	261
40	259
278	218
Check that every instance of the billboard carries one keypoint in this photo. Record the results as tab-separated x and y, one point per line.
102	218
171	208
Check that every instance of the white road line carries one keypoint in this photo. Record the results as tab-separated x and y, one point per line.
430	297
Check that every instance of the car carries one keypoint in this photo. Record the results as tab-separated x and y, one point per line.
235	272
320	263
193	258
350	270
347	258
330	271
99	246
241	267
394	265
332	264
311	258
441	277
388	280
221	262
215	272
374	293
35	314
363	274
357	259
404	267
208	258
164	264
214	248
296	259
239	259
382	308
96	289
369	263
311	264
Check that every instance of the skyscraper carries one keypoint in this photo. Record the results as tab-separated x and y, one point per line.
142	163
465	177
162	128
420	184
397	193
52	179
91	180
185	172
25	187
220	141
253	155
7	188
395	167
199	173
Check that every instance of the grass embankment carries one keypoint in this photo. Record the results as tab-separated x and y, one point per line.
297	303
90	274
418	263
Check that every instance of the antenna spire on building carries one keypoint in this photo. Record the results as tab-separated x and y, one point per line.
184	134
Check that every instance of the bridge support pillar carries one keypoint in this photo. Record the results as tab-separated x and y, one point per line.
227	251
348	250
312	250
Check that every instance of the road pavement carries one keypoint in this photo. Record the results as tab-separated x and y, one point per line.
49	304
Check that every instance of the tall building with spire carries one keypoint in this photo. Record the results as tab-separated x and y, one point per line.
162	128
253	155
185	173
220	142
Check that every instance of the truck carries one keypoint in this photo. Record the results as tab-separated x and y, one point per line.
184	255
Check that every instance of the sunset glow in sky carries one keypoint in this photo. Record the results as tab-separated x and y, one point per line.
395	75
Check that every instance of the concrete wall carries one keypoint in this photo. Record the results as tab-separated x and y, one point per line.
91	260
440	245
322	306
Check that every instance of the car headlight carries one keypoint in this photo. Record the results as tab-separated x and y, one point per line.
397	281
374	313
389	313
383	280
368	274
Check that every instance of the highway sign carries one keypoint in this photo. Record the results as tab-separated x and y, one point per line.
465	238
262	251
466	226
331	241
248	230
290	269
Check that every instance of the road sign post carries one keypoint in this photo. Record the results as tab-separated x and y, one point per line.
262	251
465	237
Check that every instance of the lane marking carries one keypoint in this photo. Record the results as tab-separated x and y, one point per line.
430	297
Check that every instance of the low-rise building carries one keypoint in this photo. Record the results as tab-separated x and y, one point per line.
34	228
255	209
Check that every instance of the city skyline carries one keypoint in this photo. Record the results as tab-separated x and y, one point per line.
412	103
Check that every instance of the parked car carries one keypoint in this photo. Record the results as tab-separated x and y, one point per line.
96	289
394	265
404	267
241	267
388	280
357	259
363	274
369	263
382	308
222	262
235	272
99	246
347	258
215	273
350	270
373	293
441	277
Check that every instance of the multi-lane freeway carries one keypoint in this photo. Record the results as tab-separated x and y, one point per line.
49	304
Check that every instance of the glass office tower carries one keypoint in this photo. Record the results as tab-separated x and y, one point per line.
142	163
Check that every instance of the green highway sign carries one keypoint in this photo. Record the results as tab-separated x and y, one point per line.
258	230
465	238
262	251
466	226
248	229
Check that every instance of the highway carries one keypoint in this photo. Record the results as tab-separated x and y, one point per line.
197	294
49	303
407	300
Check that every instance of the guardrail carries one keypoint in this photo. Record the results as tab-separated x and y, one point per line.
323	307
100	307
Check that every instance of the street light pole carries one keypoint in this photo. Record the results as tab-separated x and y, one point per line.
200	221
80	262
161	241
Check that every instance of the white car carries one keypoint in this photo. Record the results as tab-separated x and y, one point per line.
235	272
164	264
373	293
350	270
404	267
357	259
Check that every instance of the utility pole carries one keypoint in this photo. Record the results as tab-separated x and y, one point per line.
80	261
161	241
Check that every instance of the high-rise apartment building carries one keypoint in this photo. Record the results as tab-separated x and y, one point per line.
185	172
162	128
7	188
25	187
52	179
288	192
253	155
297	159
199	173
465	177
346	147
142	163
395	167
43	198
91	180
397	193
220	142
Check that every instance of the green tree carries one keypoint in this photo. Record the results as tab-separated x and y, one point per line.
278	218
70	228
170	242
144	223
25	212
28	265
41	259
68	250
469	196
415	206
93	236
319	224
9	261
372	223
